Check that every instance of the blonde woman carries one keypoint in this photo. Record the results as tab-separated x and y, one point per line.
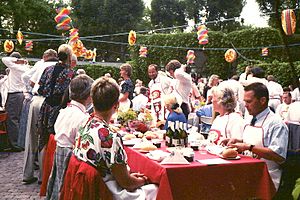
228	124
175	111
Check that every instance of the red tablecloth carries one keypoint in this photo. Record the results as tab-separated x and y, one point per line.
240	179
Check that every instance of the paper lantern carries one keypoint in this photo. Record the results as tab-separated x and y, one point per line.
190	57
264	52
29	45
89	54
230	55
62	19
8	46
20	37
143	52
202	34
73	35
132	38
288	21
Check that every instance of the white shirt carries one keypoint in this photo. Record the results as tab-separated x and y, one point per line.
68	122
242	77
230	126
138	102
294	113
36	76
252	79
275	90
14	81
296	94
164	82
183	84
282	110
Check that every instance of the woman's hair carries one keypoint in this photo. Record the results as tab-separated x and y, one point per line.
171	101
226	97
80	87
64	52
211	78
105	93
127	68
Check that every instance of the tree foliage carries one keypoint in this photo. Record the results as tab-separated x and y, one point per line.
167	13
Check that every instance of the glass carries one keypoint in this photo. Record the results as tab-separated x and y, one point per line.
202	146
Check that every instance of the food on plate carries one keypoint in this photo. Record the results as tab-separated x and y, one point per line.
140	135
142	127
229	153
129	137
150	135
148	147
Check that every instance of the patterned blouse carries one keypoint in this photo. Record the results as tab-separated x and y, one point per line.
97	145
127	86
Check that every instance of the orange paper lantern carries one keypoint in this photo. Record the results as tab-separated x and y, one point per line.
288	21
132	38
8	46
230	55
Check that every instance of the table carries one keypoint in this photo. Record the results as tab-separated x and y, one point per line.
240	179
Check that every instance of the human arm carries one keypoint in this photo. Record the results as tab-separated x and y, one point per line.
127	180
124	96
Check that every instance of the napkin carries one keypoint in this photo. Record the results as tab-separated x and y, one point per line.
175	158
157	155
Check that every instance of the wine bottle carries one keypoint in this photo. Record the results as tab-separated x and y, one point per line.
176	138
170	134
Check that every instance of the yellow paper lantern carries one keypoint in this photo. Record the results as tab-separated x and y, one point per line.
230	55
132	38
8	46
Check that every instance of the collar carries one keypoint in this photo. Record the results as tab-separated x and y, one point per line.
262	114
77	104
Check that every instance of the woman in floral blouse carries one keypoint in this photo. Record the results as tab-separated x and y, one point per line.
101	147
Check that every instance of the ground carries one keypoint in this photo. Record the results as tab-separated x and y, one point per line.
11	186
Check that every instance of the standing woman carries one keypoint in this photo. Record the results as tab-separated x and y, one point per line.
127	87
53	83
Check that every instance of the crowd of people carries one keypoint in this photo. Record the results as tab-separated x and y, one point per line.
51	101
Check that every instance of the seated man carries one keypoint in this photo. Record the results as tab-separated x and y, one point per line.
266	136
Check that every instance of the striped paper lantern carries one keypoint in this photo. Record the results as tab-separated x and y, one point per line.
288	21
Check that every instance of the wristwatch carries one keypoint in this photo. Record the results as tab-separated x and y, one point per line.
251	147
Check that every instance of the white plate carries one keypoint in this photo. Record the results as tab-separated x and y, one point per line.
131	142
236	158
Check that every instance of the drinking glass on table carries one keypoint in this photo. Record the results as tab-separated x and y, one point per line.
202	146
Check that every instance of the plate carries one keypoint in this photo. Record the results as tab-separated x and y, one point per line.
143	151
131	142
236	158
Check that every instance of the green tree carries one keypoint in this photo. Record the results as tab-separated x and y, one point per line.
167	13
193	9
218	9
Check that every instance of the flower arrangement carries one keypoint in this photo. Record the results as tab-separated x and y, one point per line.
124	117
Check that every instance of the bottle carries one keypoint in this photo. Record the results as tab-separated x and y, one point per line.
170	134
176	138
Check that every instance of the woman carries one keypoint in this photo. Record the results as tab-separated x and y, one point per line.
53	83
127	87
100	146
173	107
228	124
213	81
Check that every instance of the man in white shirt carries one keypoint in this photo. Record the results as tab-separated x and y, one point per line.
140	101
159	86
15	97
275	92
244	75
182	84
282	109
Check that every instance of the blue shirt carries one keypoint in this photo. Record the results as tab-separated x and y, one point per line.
207	112
174	116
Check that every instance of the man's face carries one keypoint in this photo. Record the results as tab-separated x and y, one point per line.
152	73
254	105
286	98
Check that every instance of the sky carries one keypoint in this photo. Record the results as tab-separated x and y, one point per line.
250	13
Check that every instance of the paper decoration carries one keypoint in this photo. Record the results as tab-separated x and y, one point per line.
202	34
20	37
132	38
29	45
143	52
8	46
78	48
230	55
73	35
190	57
89	54
288	21
264	52
62	19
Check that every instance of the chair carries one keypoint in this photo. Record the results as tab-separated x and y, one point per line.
83	181
4	143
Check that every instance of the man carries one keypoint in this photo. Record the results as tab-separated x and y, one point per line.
282	109
182	84
15	96
140	101
244	75
266	137
275	92
31	141
159	87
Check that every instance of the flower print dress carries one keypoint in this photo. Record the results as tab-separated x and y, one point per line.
100	147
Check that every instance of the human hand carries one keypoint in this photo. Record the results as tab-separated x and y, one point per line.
240	146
